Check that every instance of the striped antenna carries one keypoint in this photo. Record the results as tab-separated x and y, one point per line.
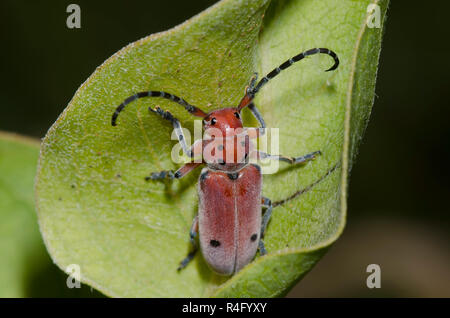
191	109
252	90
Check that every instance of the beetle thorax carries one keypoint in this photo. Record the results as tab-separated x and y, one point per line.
226	145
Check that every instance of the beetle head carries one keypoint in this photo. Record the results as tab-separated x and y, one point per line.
225	120
227	146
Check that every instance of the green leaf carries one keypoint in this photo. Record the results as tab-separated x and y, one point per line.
128	235
26	269
21	252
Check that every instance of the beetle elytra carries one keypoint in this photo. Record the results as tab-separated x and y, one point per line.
230	222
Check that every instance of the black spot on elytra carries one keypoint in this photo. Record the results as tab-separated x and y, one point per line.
257	167
254	237
204	175
233	176
214	243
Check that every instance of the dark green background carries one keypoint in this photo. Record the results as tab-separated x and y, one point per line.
399	188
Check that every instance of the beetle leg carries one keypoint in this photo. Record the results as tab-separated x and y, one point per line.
177	127
307	157
266	217
184	170
192	234
265	220
257	115
169	174
262	248
160	175
291	160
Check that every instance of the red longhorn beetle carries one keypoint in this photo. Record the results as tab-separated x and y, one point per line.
229	219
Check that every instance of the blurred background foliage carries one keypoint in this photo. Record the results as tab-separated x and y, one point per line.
398	214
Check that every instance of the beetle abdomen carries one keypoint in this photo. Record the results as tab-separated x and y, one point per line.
229	217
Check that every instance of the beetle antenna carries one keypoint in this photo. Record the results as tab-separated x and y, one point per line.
306	189
191	109
252	90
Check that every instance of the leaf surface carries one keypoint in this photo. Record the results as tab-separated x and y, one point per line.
21	252
128	235
26	269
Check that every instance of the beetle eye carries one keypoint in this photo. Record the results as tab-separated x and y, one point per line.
213	121
237	115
